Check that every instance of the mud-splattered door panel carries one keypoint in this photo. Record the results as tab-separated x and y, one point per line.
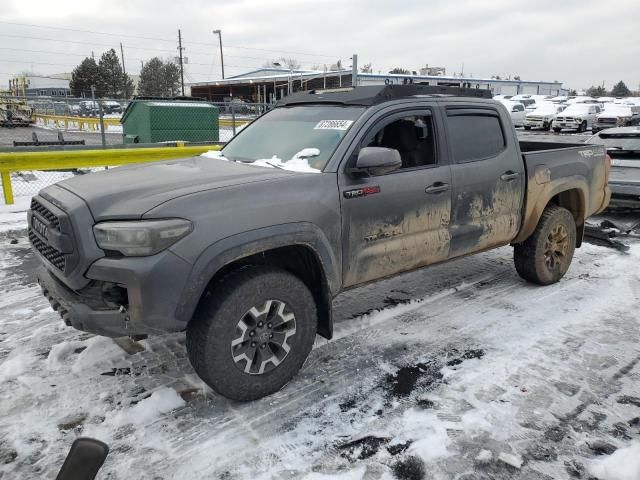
395	222
488	182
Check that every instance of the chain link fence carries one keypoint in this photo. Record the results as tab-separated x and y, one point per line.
44	122
48	124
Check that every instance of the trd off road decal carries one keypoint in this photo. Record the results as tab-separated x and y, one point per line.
361	192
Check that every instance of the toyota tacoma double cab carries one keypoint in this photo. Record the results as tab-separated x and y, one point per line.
245	248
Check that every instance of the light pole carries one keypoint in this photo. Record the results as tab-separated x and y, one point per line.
219	33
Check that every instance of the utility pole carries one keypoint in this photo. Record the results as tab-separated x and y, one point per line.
181	67
219	33
124	70
354	70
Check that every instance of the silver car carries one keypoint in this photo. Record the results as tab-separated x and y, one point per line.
623	146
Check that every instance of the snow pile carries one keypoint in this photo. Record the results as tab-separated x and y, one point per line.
623	464
433	440
214	154
15	366
14	217
160	402
298	162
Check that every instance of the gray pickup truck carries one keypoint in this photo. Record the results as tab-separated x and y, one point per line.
245	249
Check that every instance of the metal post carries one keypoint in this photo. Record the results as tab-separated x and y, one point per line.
354	70
6	187
233	118
100	113
219	33
181	66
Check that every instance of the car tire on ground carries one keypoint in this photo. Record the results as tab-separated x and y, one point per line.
252	332
557	130
545	256
583	127
526	127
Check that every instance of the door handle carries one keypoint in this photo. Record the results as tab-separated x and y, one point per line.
437	187
508	176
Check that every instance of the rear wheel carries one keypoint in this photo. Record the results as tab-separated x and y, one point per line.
252	332
545	256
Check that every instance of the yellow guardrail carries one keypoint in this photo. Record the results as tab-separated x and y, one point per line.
60	160
93	123
62	122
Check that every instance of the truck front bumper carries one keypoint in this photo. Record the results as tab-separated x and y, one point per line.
537	123
149	294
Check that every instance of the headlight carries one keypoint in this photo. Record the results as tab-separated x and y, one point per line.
141	238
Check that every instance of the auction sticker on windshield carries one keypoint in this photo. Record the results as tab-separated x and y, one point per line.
333	125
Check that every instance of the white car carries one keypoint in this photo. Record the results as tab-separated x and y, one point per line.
516	110
616	115
543	116
578	116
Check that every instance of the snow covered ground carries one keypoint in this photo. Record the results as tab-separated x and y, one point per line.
467	372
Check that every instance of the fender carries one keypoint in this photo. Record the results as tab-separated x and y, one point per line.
538	197
236	247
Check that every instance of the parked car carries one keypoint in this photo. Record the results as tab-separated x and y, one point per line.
502	97
516	110
88	107
578	116
111	106
528	102
543	116
327	191
623	146
581	99
616	115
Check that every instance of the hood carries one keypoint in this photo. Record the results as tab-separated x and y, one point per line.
129	192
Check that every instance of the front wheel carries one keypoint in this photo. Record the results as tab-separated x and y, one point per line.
527	127
545	256
557	130
583	127
252	332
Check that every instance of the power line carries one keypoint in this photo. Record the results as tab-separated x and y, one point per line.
208	44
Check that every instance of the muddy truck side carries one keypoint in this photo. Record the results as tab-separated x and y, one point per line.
245	249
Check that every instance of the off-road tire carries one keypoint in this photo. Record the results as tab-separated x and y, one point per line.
531	257
214	327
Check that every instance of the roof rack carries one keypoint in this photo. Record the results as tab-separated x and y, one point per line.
375	94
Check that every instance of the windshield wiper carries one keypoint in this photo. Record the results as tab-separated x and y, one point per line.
275	165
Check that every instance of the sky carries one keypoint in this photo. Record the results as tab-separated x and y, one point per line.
580	43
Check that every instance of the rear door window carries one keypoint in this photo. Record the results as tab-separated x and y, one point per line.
474	136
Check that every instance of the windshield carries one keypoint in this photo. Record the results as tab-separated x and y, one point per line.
298	138
577	108
628	142
617	109
546	108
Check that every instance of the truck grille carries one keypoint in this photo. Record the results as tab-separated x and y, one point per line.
44	212
55	257
608	121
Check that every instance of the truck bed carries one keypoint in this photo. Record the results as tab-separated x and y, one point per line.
547	164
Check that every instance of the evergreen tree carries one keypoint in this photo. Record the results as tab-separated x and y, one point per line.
159	79
596	92
113	82
171	78
620	90
83	77
399	70
151	81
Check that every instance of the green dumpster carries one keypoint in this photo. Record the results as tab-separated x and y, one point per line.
151	121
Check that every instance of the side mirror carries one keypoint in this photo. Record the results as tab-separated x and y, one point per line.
84	459
378	160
